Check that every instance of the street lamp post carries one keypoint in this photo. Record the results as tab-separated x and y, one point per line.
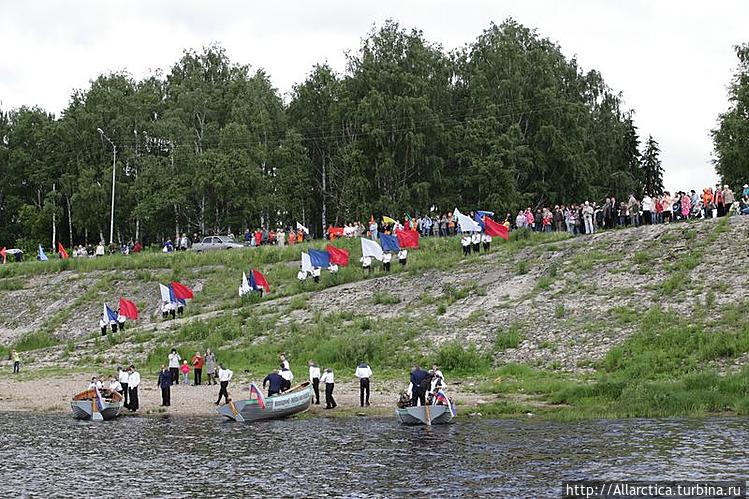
114	176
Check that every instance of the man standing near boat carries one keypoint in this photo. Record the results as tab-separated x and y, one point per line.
329	381
133	381
363	372
122	376
224	376
314	378
275	383
165	383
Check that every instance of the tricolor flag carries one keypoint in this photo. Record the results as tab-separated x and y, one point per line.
99	400
479	219
338	256
245	287
302	228
4	254
465	222
408	238
110	315
258	394
319	258
257	281
493	228
61	250
371	248
441	397
40	255
389	243
128	309
181	292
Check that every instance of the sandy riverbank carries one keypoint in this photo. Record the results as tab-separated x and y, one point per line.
52	394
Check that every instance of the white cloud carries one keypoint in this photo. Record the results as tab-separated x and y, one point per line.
671	59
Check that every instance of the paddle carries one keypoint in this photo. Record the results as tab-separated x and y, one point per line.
234	411
95	414
429	416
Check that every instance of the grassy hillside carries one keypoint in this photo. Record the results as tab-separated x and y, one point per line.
638	322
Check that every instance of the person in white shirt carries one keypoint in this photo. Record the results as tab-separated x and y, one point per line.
103	324
302	275
363	372
174	361
287	376
333	268
476	240
386	257
438	379
224	376
487	240
314	378
283	360
122	376
100	249
316	274
366	263
115	385
133	381
95	383
121	321
403	256
465	242
329	381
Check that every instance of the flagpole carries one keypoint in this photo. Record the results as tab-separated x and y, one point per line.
114	176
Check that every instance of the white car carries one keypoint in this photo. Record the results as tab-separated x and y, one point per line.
216	243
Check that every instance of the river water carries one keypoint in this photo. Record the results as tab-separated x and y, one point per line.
57	456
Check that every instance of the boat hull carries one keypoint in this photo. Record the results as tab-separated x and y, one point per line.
83	409
439	414
276	407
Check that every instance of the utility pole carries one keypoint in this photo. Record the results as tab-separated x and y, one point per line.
114	177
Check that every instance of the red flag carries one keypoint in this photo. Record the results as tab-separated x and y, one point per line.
61	250
181	292
493	228
128	309
260	280
339	256
3	253
408	238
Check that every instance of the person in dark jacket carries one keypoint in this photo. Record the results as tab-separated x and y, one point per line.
165	383
417	393
275	383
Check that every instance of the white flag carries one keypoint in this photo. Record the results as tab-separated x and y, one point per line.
371	248
306	263
466	223
302	228
165	295
245	287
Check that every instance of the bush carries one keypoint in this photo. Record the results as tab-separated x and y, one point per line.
456	359
510	338
385	298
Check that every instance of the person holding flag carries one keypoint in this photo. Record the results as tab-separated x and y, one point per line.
402	256
103	324
386	258
486	239
61	251
476	241
465	242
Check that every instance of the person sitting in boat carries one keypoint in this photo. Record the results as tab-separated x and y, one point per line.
287	376
114	385
404	400
275	382
438	379
95	383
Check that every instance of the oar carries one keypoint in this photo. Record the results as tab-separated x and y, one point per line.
234	411
429	416
95	414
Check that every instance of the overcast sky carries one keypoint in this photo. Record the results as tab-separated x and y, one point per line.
672	60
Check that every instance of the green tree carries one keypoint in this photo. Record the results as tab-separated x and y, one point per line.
731	138
652	171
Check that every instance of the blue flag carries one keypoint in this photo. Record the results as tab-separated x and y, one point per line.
319	258
389	243
110	314
480	219
483	213
41	256
251	281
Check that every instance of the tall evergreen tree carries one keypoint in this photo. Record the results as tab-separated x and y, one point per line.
652	171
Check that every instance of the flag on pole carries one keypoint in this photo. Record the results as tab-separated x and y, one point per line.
319	258
441	397
338	256
483	213
466	223
388	220
4	254
40	255
493	228
259	280
258	395
181	292
245	287
371	248
306	263
110	315
61	250
408	238
479	220
389	243
128	309
302	228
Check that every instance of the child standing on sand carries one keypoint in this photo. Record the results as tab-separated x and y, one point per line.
185	373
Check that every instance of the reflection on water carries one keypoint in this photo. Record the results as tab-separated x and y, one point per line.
356	457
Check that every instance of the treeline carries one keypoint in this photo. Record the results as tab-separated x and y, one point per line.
505	122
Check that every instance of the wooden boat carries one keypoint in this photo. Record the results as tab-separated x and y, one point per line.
424	414
84	405
293	401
